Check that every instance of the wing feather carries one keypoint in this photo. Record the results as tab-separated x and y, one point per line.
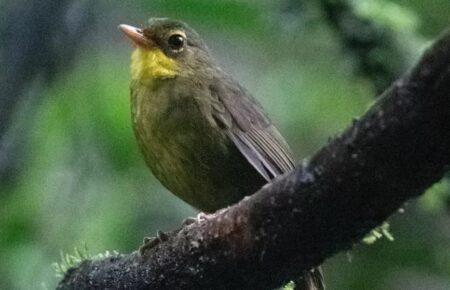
252	155
250	129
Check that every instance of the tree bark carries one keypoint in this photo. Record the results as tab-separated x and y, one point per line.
399	148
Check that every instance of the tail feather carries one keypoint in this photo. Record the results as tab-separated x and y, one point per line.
311	280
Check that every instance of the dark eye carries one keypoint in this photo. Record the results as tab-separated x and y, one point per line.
176	41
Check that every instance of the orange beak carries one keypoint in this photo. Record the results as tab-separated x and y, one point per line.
136	35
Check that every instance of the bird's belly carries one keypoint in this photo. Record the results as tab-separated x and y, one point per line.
205	173
195	160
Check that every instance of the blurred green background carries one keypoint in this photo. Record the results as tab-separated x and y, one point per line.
70	171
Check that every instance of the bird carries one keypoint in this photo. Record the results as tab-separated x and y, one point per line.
201	133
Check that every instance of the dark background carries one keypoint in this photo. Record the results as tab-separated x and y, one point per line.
70	171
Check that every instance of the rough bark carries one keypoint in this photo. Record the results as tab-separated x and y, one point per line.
400	147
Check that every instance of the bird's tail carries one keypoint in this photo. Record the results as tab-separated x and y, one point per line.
311	280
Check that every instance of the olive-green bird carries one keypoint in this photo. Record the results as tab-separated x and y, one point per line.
201	133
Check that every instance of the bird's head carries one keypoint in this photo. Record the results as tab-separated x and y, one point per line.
166	49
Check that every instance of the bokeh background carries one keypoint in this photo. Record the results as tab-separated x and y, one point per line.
70	171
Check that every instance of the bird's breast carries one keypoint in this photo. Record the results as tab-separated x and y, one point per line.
186	150
174	127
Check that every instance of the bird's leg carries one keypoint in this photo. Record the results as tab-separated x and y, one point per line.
150	242
189	221
200	217
203	216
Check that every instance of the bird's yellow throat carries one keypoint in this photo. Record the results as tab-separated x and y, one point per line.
148	64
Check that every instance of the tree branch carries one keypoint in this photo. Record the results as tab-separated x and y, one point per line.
400	147
368	42
39	47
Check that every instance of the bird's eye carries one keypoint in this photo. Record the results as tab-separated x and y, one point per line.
176	41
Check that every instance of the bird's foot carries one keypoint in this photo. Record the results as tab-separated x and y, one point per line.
203	216
200	217
189	221
150	242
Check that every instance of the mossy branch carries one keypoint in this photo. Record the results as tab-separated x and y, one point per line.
399	148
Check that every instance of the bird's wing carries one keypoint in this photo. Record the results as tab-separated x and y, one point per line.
245	122
250	129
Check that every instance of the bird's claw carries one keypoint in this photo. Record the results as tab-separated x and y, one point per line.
199	218
203	216
162	236
189	221
150	242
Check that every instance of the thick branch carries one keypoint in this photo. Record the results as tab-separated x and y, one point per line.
399	148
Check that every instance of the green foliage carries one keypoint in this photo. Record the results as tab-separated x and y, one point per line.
216	13
438	197
388	13
378	233
80	254
70	260
289	286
